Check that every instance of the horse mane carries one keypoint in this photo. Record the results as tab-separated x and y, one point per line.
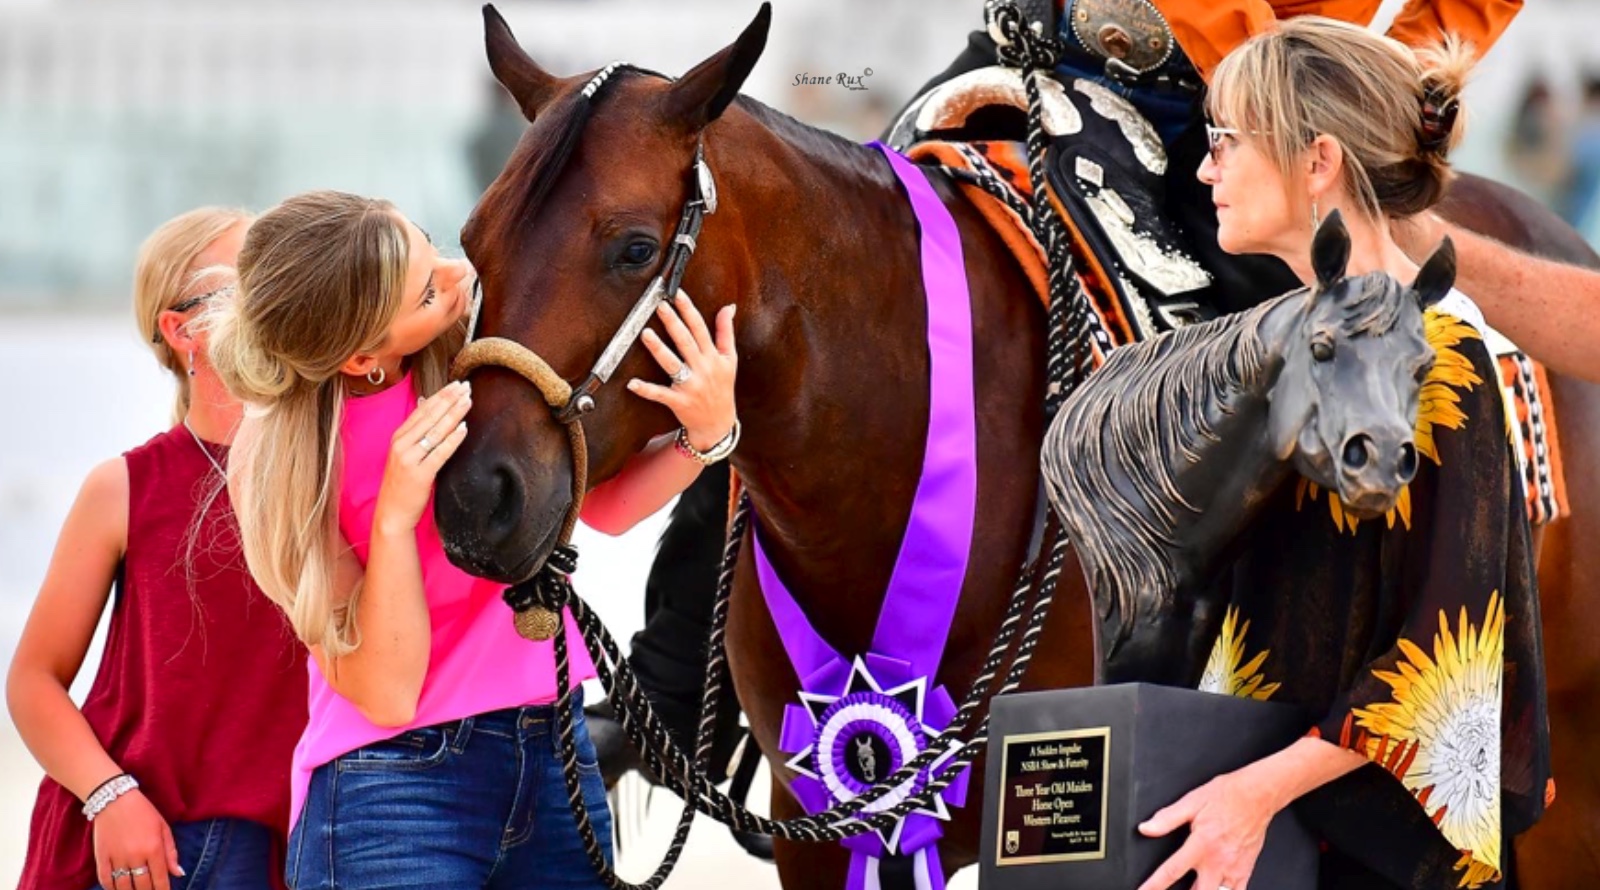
1111	463
1103	462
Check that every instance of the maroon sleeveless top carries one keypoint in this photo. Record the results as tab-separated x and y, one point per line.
201	692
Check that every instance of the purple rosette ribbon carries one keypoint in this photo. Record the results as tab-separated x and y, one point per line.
859	720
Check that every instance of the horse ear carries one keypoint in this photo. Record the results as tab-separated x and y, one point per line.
700	97
1437	275
1330	251
522	77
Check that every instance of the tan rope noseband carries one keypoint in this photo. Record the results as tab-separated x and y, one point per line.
536	623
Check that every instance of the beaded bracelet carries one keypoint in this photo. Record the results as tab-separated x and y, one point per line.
713	454
109	790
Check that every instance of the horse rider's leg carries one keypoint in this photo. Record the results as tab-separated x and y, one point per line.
669	654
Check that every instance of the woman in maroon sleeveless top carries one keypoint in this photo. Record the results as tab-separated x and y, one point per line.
181	750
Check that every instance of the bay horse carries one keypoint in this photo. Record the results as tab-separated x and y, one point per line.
816	244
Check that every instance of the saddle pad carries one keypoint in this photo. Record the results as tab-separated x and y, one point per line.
1005	163
1525	386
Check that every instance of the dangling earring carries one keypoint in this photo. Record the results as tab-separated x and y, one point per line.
379	378
191	363
1316	219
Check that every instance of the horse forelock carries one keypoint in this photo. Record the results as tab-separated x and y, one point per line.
1112	462
515	199
1368	305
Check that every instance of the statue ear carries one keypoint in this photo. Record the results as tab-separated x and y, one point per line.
700	97
1437	275
1330	251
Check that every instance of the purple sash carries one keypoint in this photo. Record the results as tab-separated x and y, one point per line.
860	720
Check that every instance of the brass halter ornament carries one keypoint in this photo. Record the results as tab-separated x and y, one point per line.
538	601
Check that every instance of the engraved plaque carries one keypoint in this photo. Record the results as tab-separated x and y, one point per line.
1053	796
1072	772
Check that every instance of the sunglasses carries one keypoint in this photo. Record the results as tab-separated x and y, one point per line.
190	303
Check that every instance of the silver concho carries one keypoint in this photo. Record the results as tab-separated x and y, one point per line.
1170	273
1146	143
1131	32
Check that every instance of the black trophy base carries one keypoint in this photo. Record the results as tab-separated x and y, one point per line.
1072	773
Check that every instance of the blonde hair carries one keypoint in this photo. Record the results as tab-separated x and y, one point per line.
1311	75
164	275
321	278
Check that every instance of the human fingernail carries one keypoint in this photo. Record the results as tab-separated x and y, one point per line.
633	385
181	873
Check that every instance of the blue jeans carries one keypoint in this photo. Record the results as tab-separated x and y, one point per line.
478	802
222	854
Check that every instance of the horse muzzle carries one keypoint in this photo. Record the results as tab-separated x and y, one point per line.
498	518
1373	471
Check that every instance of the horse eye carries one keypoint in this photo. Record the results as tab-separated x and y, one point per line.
1423	371
638	253
1322	349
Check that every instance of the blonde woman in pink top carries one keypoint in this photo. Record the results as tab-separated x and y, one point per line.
429	759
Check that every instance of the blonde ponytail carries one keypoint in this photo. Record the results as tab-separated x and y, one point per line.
321	278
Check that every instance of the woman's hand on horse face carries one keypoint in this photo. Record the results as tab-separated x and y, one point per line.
416	452
703	403
130	833
1227	819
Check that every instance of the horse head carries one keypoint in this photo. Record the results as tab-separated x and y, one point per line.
566	241
1345	405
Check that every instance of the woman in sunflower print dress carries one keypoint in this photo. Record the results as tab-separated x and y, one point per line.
1412	640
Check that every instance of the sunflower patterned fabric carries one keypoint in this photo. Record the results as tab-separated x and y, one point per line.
1412	639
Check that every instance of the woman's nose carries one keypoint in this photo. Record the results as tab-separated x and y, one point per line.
1208	170
454	272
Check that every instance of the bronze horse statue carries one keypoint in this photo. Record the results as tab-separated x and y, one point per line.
1247	400
816	244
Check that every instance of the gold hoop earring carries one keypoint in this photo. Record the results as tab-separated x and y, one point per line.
378	380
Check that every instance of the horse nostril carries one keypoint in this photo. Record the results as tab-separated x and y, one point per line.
1408	461
507	500
1356	452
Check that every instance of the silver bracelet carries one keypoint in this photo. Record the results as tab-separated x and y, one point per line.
713	454
106	793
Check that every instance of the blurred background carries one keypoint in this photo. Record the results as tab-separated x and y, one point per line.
116	115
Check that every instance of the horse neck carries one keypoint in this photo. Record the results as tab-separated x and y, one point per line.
832	308
1236	463
833	380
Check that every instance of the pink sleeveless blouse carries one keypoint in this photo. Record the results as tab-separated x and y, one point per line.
477	663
